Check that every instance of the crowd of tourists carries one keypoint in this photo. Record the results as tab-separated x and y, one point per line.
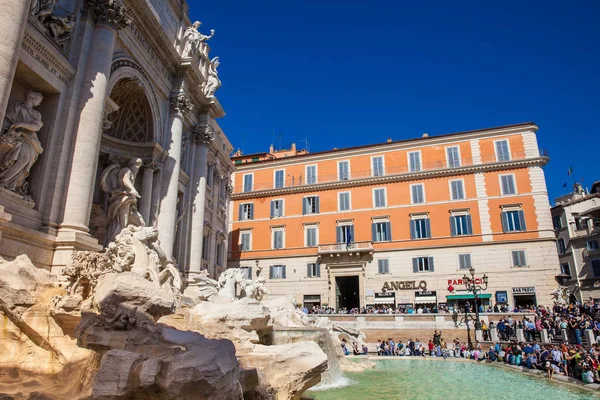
416	309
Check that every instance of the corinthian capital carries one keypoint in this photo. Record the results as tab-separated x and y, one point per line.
181	104
109	12
203	135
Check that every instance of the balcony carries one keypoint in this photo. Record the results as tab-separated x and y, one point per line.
390	171
354	249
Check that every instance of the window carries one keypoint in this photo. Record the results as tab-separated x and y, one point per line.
417	193
381	231
457	191
379	197
596	268
562	247
311	174
513	221
557	221
414	161
422	264
310	205
377	165
220	254
565	269
248	178
279	178
255	159
453	156
518	258
591	245
247	271
344	170
420	228
580	223
246	211
310	233
276	208
278	238
246	241
464	261
344	201
507	184
502	150
277	272
344	234
461	225
313	270
209	175
205	248
383	266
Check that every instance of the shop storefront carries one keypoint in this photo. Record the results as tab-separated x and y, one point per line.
311	300
425	298
524	296
460	300
385	298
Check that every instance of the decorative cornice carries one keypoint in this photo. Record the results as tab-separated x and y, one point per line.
203	135
377	180
181	104
109	12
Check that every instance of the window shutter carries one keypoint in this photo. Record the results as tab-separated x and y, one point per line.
338	234
379	266
469	225
453	226
317	204
352	239
308	270
308	243
374	232
427	228
522	220
318	270
415	262
504	217
388	228
313	236
241	212
413	229
251	211
430	261
283	272
272	208
304	205
271	271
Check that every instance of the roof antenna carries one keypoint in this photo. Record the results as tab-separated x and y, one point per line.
280	136
306	144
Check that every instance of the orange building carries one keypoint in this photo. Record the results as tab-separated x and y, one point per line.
399	222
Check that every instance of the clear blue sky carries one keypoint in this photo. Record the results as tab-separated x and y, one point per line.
352	72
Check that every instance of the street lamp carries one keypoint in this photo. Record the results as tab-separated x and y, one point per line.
469	282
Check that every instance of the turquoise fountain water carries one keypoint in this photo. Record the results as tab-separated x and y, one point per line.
447	380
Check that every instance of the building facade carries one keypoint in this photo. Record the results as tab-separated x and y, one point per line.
576	220
90	86
399	222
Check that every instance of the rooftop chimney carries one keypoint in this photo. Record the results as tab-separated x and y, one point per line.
425	135
271	149
389	140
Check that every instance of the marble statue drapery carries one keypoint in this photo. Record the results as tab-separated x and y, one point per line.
212	82
118	182
192	39
19	143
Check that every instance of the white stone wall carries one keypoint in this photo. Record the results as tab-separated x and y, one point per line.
493	260
483	206
531	145
541	202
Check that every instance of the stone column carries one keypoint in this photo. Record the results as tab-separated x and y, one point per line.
588	335
520	335
180	106
146	199
109	17
202	138
544	336
494	335
564	335
13	19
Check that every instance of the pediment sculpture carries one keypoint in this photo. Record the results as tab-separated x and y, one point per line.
192	39
57	26
19	143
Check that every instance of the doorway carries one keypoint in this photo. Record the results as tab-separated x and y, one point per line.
347	292
525	300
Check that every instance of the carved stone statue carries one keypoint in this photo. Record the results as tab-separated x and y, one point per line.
19	144
192	39
561	296
255	288
118	182
212	83
57	27
225	287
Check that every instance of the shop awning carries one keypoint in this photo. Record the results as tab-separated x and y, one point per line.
425	299
384	300
468	296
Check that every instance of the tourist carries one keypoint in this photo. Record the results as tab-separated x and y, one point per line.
431	347
365	350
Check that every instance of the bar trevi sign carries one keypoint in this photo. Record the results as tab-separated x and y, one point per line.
524	290
404	285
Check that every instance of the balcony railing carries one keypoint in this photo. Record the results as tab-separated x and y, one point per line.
343	247
389	170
